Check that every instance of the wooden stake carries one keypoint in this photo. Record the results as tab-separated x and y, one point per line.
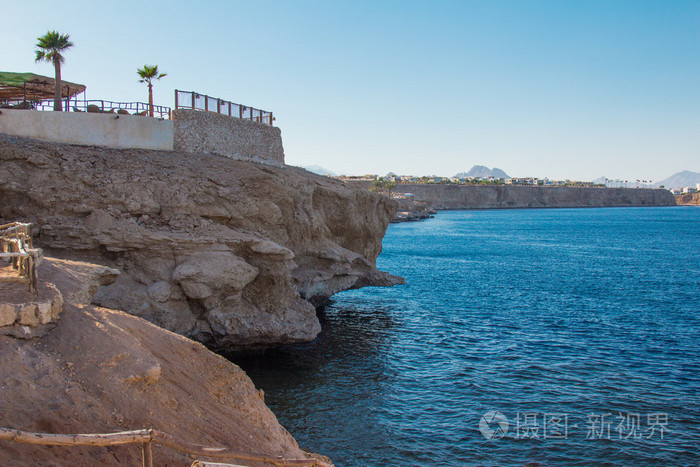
147	455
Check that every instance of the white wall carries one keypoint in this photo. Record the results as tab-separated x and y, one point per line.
91	129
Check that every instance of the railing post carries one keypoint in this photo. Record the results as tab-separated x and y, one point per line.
176	99
193	100
147	454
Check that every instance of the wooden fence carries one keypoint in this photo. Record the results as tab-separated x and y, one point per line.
146	438
16	245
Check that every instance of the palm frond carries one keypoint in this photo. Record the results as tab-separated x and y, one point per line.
50	45
148	73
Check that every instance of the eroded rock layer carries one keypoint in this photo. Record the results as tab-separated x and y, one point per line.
103	371
230	253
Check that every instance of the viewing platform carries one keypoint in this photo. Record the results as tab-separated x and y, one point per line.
198	123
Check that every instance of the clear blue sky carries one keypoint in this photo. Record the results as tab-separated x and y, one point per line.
565	89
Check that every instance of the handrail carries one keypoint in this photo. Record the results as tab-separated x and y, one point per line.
16	243
105	106
192	100
145	438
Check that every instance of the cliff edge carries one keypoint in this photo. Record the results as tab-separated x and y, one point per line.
233	254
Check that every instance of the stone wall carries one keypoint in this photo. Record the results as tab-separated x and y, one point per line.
447	196
207	132
89	129
26	315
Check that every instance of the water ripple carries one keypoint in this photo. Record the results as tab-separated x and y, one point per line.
576	313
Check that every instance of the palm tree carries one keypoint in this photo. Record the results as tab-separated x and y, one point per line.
148	74
49	49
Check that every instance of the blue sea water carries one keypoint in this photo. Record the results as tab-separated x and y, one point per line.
574	331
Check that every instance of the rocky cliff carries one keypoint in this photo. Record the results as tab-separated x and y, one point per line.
688	199
447	196
102	371
231	253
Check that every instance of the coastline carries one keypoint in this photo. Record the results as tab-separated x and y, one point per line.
442	197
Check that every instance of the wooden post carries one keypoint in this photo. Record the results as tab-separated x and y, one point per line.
176	99
229	108
33	279
206	103
147	454
193	107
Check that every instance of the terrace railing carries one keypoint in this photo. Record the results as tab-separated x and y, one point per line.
102	106
196	101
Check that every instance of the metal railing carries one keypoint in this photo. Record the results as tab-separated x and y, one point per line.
16	246
145	438
195	101
102	106
94	105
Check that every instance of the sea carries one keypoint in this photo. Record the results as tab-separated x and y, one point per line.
551	336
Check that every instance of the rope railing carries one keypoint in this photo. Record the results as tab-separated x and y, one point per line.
195	101
146	438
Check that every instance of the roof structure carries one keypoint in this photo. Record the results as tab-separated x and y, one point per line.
31	87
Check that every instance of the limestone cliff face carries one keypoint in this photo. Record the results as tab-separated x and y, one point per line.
444	196
230	253
688	199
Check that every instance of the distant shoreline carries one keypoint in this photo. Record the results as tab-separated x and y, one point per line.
443	197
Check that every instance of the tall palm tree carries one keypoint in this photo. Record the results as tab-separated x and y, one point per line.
50	48
148	74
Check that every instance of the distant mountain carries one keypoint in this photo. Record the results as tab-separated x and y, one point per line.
483	172
600	180
317	169
680	180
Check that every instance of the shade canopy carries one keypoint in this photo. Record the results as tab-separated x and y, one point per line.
31	87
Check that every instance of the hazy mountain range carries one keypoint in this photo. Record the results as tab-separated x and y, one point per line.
483	172
317	169
686	178
682	179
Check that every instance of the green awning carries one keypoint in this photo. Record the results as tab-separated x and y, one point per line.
32	87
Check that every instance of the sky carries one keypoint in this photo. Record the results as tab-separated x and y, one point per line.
557	88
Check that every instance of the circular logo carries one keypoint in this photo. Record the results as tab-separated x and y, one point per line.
493	425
